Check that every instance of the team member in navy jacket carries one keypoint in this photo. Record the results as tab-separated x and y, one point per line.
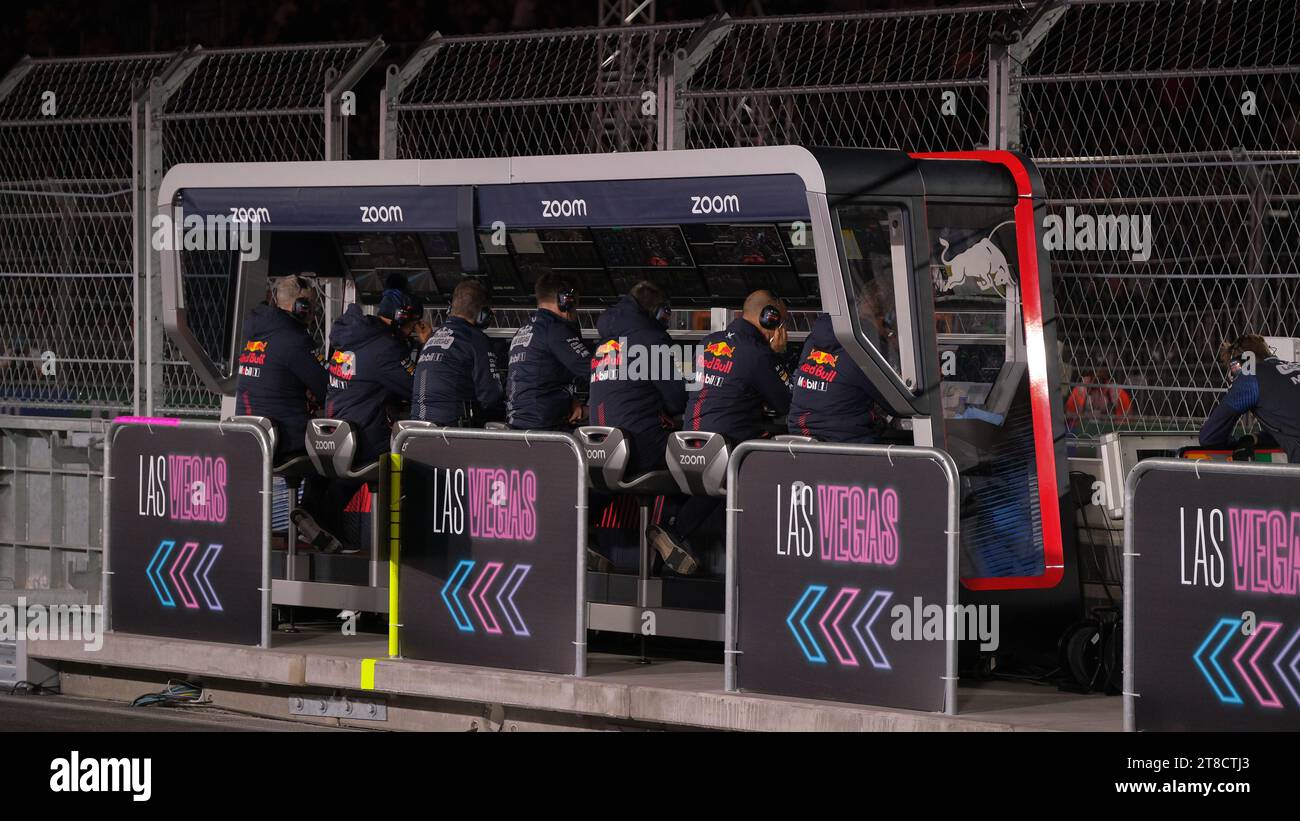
832	399
636	327
371	367
455	380
1263	385
282	377
549	361
739	372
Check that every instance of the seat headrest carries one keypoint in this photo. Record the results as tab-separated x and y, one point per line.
331	445
607	455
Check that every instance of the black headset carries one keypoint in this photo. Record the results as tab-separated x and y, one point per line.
566	300
485	317
770	317
663	314
302	306
407	311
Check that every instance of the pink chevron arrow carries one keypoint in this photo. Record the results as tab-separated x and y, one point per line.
1271	627
476	598
845	655
1294	666
177	574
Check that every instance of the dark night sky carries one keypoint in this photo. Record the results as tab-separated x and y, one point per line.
64	28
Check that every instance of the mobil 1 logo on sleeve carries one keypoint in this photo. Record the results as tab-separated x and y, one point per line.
842	578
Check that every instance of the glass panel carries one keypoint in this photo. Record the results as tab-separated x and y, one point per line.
975	276
869	233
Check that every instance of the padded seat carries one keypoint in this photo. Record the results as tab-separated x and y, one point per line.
608	453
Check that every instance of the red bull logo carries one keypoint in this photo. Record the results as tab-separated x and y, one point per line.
608	348
720	349
823	358
343	364
255	345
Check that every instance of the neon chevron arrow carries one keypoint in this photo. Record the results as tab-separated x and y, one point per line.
1272	627
160	588
201	577
801	631
489	572
454	606
1293	667
181	562
870	646
1227	693
847	595
507	605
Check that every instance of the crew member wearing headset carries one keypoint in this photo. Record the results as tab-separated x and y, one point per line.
1263	385
550	363
739	372
455	376
283	377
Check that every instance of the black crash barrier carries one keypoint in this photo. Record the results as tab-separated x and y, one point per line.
187	527
492	548
1212	596
824	543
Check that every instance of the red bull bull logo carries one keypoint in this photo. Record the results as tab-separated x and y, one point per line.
720	349
255	345
823	358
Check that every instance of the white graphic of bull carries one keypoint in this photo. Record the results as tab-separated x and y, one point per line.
983	263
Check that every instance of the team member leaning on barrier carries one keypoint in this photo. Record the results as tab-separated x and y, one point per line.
832	400
549	361
740	372
455	376
282	377
1263	385
371	367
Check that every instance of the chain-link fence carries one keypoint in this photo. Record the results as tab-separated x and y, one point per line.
67	271
1186	114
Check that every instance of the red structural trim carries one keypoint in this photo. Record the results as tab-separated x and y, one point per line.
1049	503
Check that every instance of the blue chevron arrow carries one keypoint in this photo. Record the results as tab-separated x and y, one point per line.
454	606
160	588
801	631
1231	625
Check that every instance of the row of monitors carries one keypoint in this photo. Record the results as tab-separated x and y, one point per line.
701	263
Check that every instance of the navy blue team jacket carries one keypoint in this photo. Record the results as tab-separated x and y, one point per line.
455	371
278	367
549	361
738	372
1272	393
832	399
370	369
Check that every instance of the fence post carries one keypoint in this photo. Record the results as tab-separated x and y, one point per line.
1006	62
149	323
336	85
675	72
395	82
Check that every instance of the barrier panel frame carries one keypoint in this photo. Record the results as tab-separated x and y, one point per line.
221	427
890	452
1195	467
580	554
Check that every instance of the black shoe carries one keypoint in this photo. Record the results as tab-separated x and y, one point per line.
670	548
317	536
597	562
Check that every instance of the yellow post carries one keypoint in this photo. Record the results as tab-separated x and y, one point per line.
394	549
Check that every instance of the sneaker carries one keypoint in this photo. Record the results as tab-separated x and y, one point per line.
317	536
597	562
671	549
